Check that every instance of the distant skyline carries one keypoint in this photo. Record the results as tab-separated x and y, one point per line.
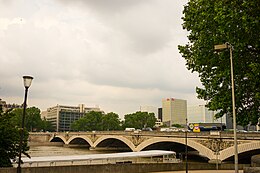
119	55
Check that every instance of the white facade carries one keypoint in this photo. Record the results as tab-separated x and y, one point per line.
201	114
150	109
174	111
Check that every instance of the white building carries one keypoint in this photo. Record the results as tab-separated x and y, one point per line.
201	114
150	109
174	111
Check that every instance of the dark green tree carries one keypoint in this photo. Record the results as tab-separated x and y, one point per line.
33	121
91	121
46	125
10	138
211	22
140	120
111	121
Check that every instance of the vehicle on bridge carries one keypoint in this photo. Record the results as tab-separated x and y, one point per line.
128	129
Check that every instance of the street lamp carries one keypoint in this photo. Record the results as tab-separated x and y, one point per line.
27	83
230	47
186	146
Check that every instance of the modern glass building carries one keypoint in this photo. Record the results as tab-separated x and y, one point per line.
61	117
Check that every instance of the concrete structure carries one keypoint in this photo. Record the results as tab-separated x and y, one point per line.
122	168
7	106
149	109
216	148
174	111
201	114
61	117
160	113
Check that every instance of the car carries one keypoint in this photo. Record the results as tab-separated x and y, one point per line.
147	129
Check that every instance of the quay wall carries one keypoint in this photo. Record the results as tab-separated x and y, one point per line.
123	168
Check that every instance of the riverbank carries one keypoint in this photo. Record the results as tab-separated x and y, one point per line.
124	168
202	171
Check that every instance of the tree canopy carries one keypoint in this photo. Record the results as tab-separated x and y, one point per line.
140	120
33	121
97	121
10	138
111	121
209	23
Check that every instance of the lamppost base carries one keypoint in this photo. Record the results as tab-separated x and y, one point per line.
19	170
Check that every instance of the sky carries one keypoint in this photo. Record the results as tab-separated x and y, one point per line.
115	54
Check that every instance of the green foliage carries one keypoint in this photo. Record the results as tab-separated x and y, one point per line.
97	121
177	125
111	121
33	121
9	139
211	22
139	120
46	125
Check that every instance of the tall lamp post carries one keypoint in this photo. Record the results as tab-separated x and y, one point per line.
27	83
186	147
230	47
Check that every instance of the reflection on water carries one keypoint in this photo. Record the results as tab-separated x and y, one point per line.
36	151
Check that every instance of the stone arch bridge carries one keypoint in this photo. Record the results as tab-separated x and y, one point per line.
216	148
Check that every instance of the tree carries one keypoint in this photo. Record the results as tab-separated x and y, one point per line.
9	139
212	22
33	121
140	120
91	121
177	125
46	125
111	121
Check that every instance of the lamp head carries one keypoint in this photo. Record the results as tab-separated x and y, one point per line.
27	81
221	46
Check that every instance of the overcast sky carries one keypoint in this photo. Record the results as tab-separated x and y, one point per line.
118	54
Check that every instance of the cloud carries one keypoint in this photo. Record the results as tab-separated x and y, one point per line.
116	54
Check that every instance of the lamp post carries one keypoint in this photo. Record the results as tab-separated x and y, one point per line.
230	47
186	147
27	83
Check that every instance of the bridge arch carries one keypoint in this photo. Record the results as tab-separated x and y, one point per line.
229	152
80	137
120	138
62	138
191	143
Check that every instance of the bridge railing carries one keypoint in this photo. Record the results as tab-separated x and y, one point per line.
223	134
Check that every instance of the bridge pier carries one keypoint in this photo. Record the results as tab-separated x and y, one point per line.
215	161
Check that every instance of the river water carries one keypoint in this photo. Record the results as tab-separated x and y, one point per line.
37	151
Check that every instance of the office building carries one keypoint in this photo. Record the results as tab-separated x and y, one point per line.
201	114
174	111
160	114
61	117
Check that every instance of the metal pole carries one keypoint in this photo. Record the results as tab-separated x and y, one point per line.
234	111
22	132
186	148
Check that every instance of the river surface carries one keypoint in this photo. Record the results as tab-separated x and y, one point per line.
37	151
